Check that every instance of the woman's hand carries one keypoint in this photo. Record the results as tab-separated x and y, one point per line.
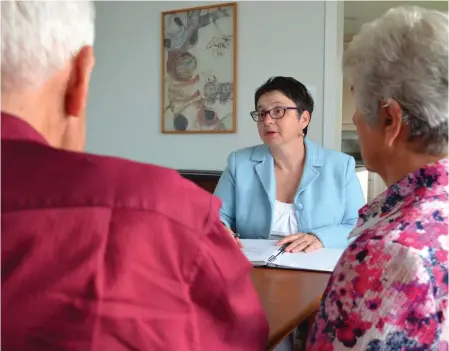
236	238
301	242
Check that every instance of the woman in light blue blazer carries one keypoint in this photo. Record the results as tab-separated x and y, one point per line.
289	188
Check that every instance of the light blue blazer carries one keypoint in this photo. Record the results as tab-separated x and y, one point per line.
326	202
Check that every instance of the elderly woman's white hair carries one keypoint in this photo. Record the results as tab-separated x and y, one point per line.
403	55
39	37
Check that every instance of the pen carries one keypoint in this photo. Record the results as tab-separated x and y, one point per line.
280	251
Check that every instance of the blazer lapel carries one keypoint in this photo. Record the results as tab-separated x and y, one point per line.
265	168
314	160
265	171
308	176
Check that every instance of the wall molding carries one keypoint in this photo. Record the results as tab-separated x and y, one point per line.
333	74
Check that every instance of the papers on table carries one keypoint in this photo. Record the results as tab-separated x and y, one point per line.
323	260
258	251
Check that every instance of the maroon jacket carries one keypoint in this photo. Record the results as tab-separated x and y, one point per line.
104	254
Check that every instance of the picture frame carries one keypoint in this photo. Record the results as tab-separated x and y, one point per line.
199	70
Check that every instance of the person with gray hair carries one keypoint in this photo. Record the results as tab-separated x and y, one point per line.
100	253
389	290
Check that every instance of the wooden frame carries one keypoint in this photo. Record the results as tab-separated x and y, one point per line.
194	101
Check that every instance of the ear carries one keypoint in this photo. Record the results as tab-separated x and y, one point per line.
304	119
392	121
78	86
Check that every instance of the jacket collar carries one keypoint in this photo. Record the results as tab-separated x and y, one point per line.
265	168
314	154
15	128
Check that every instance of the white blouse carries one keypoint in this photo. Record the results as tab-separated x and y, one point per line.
284	220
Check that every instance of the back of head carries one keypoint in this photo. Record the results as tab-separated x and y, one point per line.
39	37
403	55
47	59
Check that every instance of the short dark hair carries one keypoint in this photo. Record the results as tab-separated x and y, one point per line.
291	88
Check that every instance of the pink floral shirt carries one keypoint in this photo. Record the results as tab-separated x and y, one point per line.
390	288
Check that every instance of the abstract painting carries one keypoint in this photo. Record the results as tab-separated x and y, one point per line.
199	48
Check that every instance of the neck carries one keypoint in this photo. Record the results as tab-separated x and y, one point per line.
32	108
289	157
405	165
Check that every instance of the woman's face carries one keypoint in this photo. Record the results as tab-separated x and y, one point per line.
278	131
374	141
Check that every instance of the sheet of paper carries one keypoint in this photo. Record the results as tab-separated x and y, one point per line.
323	260
258	250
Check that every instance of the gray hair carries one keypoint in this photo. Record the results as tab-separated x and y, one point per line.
403	55
39	37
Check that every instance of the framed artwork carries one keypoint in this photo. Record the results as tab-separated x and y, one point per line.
199	70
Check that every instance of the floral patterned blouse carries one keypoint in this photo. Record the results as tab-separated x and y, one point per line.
390	288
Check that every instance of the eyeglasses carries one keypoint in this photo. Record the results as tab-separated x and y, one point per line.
275	113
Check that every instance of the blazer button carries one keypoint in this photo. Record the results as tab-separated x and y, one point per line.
299	206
